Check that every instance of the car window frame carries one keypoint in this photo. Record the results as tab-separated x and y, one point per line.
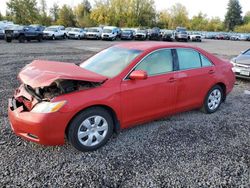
245	52
173	61
177	59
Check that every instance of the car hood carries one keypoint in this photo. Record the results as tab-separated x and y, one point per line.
140	34
243	59
91	33
74	32
48	31
42	73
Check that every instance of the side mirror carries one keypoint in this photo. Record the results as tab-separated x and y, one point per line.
138	75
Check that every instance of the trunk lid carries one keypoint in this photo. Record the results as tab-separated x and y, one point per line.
42	73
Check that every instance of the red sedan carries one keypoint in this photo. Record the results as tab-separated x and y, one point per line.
124	85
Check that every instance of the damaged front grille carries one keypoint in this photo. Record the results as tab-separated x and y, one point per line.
28	97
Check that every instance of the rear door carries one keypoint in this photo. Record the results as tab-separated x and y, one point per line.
153	97
194	78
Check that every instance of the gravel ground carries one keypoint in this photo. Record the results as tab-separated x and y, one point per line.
191	149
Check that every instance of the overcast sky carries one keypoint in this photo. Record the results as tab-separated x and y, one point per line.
210	7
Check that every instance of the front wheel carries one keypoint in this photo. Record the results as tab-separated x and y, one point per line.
40	38
213	100
21	39
8	39
90	129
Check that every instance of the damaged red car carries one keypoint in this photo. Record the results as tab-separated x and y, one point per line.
119	87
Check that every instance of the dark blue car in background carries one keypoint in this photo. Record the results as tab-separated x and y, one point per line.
24	33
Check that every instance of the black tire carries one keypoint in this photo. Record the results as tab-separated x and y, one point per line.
40	38
53	37
206	108
64	36
21	39
79	37
77	122
8	39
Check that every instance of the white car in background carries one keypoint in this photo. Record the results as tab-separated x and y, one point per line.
3	25
54	32
110	33
195	37
77	33
94	33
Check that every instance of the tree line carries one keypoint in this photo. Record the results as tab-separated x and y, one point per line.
124	13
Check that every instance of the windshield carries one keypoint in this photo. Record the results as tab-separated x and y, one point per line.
110	62
141	31
127	31
77	30
107	31
50	29
183	32
93	30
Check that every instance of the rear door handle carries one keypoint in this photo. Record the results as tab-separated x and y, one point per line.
171	80
211	72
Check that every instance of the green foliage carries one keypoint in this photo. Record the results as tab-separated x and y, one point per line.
43	18
199	22
164	19
246	18
66	17
1	17
179	16
54	12
243	28
123	13
82	13
233	16
215	24
23	11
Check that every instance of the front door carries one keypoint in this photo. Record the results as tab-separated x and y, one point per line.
142	100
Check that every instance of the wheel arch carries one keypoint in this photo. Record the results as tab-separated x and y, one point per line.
224	89
108	108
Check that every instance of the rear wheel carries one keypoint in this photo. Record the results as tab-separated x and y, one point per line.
90	129
53	37
8	39
21	38
213	100
40	38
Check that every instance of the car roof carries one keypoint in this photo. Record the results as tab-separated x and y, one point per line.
143	46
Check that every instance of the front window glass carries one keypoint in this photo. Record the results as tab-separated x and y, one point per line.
127	31
107	31
50	29
247	52
188	59
141	31
158	62
205	61
93	30
110	62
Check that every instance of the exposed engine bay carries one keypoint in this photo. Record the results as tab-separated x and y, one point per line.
28	97
60	87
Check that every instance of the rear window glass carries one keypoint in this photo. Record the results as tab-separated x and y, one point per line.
188	59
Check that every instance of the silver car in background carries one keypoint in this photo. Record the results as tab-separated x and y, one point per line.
241	65
77	33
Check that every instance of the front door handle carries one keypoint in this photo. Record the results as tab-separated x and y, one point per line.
171	80
211	72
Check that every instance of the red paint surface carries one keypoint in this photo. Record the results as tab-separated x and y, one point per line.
133	101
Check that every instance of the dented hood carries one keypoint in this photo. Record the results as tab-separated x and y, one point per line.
42	73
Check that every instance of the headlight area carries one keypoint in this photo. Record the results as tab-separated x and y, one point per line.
48	107
233	63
